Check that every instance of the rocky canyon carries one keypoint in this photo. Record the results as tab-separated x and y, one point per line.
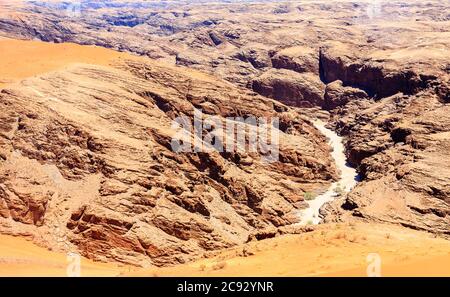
90	90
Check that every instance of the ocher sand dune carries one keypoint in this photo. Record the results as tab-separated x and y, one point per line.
436	266
338	251
21	59
19	257
331	250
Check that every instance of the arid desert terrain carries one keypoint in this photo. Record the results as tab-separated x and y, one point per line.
90	91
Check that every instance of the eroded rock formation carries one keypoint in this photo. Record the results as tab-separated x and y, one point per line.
398	139
291	88
88	150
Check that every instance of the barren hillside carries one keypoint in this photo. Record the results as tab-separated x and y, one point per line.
86	150
90	92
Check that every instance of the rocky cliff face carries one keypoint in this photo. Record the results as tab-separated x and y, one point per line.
399	144
398	139
87	151
291	88
299	59
378	79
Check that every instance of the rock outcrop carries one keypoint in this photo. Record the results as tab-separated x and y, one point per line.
337	95
378	79
291	88
399	144
87	151
300	59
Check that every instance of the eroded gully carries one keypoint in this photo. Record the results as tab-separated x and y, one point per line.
348	177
